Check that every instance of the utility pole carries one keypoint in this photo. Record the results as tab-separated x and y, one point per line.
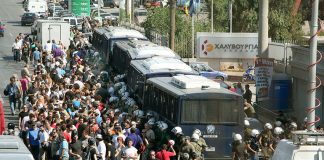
263	28
132	12
230	14
192	36
212	16
172	23
127	10
311	94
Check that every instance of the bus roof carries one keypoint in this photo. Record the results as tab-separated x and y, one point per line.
121	32
162	64
140	49
13	145
193	90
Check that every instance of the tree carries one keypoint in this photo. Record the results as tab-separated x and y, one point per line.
282	25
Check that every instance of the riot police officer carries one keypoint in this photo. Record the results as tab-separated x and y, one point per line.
247	130
253	145
195	143
292	127
239	151
265	141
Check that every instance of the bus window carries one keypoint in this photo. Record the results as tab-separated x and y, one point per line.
209	111
190	112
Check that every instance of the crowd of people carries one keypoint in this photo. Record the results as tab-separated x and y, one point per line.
68	111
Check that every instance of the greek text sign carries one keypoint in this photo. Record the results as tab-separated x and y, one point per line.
263	76
227	45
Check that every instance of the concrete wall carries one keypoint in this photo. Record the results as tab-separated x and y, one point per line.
299	72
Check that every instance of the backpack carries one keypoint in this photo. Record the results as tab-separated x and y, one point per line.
11	126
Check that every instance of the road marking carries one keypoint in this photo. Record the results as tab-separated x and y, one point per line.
10	34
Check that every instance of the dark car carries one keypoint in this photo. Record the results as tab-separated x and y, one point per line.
28	18
111	3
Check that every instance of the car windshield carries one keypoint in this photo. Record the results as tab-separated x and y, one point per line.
224	111
28	14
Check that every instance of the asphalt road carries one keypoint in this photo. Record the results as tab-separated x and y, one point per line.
10	12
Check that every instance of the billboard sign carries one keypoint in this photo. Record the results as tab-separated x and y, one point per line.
263	76
227	45
80	7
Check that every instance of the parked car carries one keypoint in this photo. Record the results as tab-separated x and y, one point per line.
111	3
206	71
28	18
109	16
74	22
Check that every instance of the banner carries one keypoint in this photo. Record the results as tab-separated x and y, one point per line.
263	76
227	45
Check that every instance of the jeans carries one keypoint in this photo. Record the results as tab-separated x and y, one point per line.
24	98
12	102
16	54
35	151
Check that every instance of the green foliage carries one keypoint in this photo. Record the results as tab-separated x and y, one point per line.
158	21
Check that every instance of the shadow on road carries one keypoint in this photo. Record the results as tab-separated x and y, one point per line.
13	22
7	58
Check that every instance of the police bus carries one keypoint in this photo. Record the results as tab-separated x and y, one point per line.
125	51
195	102
117	34
98	37
141	70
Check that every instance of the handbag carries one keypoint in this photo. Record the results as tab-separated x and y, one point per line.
6	92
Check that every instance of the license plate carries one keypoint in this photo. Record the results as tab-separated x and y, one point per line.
210	136
210	149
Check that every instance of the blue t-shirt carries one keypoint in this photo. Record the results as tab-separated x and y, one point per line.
64	145
36	55
76	103
33	137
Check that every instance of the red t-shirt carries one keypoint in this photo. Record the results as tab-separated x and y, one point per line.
164	155
67	136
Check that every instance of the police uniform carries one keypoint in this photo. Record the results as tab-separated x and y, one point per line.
266	141
198	148
247	134
187	148
239	150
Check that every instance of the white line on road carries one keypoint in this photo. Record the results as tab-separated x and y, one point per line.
10	35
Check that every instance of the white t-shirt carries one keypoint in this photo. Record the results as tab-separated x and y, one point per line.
43	137
129	152
102	149
114	139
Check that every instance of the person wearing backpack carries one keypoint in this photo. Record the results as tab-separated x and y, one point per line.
12	90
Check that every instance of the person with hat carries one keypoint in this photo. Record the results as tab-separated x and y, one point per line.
239	151
101	147
266	141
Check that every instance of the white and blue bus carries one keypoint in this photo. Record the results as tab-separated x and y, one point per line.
141	70
126	51
195	102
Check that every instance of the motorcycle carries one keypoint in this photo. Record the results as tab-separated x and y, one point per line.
248	74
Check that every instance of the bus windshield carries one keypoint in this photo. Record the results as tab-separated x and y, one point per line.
220	111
